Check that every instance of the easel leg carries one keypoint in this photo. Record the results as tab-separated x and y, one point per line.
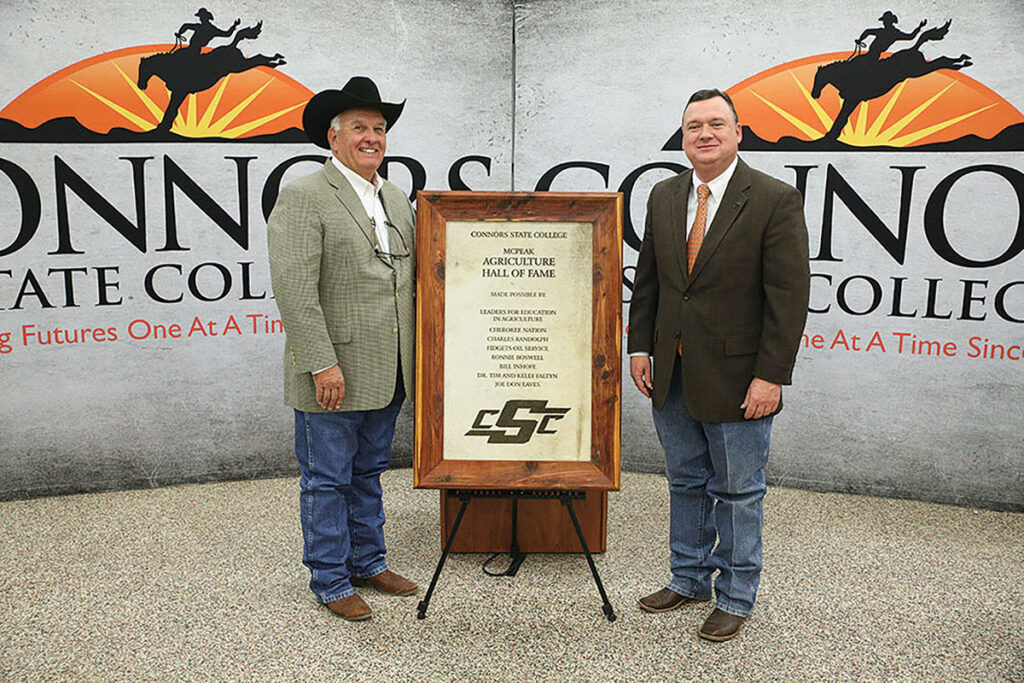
607	606
517	556
425	602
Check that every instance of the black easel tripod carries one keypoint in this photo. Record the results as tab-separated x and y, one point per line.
564	497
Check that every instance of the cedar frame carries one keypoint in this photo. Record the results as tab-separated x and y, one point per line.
604	212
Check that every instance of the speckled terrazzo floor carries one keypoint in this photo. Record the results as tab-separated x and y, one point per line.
204	582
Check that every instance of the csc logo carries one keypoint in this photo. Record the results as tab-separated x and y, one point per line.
524	428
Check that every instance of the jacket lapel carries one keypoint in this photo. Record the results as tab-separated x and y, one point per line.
347	196
677	217
729	208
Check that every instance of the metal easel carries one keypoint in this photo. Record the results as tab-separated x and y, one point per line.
564	497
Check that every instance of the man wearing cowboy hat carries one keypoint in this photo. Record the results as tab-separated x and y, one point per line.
343	275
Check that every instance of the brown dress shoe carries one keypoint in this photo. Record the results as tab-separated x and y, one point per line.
665	600
388	582
721	626
352	608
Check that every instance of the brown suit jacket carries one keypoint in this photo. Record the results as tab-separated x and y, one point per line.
740	314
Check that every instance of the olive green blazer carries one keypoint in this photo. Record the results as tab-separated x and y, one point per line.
339	301
740	314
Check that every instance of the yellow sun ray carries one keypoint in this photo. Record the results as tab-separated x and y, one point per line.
223	122
891	132
239	131
147	102
187	116
823	116
911	138
862	119
886	110
128	115
853	132
212	108
803	127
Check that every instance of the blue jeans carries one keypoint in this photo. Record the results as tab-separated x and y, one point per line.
715	474
342	456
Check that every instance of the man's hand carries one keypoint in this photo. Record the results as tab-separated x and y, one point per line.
762	399
640	371
330	388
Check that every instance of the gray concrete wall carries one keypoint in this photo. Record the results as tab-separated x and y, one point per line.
152	412
605	83
527	87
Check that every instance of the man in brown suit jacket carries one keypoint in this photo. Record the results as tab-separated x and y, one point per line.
344	276
719	301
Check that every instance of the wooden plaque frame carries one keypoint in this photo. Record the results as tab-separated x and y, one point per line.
603	211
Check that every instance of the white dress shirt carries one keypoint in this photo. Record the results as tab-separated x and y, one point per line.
717	187
369	196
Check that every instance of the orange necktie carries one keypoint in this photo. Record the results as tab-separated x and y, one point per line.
696	237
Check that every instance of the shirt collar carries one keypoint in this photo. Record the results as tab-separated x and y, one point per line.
358	182
718	185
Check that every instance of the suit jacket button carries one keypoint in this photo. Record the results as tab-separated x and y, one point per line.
686	297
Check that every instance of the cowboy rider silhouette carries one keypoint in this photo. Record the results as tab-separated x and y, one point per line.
204	31
886	36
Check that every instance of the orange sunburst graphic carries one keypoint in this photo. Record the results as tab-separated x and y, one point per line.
941	106
101	93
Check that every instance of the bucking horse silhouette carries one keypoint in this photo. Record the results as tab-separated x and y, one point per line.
187	71
863	77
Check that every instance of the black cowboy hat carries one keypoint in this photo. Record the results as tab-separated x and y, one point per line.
359	93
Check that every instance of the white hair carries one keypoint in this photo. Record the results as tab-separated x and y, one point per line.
336	121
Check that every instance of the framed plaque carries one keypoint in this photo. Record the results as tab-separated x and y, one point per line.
519	339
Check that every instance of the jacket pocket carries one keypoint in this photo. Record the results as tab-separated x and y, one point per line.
340	335
742	345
